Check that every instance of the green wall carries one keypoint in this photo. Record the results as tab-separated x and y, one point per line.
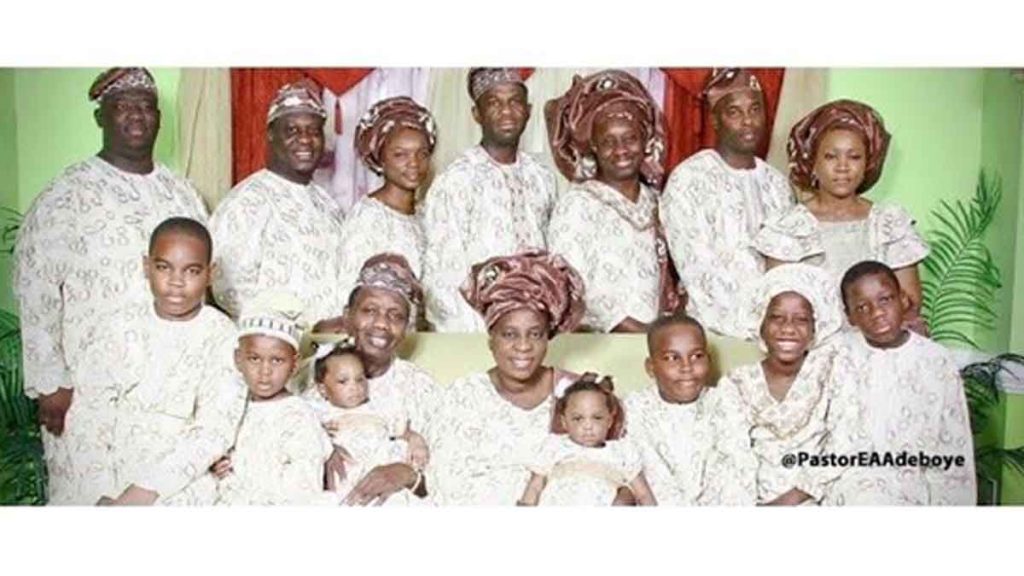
8	173
46	124
946	125
56	125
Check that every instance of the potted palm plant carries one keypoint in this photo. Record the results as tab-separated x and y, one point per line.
958	295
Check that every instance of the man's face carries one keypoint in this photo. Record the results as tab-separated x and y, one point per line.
378	319
739	121
502	113
296	145
130	120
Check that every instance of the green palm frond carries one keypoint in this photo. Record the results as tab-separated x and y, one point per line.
16	411
981	388
10	223
989	460
959	290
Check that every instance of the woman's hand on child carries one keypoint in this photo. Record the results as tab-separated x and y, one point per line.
53	408
221	468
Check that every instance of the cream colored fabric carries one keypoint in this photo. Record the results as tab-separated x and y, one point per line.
803	90
801	422
78	258
913	401
886	235
204	130
278	457
372	228
675	443
584	476
610	241
475	210
272	234
480	443
711	213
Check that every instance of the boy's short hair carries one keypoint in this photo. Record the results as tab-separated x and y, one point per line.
677	319
860	270
186	226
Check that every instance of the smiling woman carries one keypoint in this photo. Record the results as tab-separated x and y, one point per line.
490	421
607	137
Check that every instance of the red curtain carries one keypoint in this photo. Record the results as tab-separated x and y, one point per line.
688	123
252	91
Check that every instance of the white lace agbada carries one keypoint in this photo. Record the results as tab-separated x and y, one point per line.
272	234
711	213
474	210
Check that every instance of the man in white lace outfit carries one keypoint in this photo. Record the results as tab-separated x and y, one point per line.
78	255
716	200
494	200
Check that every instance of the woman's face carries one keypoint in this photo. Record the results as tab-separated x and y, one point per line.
519	343
788	327
618	146
840	162
406	159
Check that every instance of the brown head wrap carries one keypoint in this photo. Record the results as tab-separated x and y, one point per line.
301	96
480	80
726	81
570	120
384	117
120	79
536	280
391	271
847	115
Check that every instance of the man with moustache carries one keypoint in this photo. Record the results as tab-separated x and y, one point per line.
716	200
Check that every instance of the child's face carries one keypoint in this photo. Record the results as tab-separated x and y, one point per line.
876	305
178	273
587	418
679	363
266	364
788	327
344	382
